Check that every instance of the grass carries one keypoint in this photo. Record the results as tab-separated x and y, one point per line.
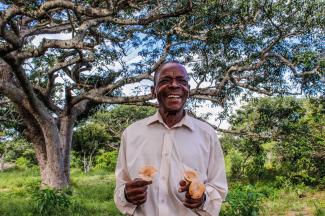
92	194
292	202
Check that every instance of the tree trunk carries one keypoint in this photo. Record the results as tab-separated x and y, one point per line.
52	144
2	162
54	171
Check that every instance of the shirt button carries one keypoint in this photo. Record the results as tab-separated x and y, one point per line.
166	154
162	200
163	178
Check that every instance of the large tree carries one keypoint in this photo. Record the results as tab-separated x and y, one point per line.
59	58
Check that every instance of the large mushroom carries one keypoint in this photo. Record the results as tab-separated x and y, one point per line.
196	187
147	172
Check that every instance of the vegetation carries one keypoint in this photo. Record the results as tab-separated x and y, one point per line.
100	135
281	138
265	133
92	194
59	59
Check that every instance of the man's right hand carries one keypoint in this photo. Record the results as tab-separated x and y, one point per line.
136	191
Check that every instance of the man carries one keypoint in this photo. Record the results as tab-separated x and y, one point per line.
173	143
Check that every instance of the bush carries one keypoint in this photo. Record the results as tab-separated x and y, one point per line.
107	160
75	161
22	163
51	202
242	201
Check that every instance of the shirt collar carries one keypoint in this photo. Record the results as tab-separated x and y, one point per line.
186	121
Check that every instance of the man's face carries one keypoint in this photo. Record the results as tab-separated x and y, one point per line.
172	88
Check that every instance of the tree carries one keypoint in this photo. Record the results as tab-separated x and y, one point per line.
87	140
103	129
284	133
233	47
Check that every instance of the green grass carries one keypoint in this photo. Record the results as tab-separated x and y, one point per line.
92	194
294	201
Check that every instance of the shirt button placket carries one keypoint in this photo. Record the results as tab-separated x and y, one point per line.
164	175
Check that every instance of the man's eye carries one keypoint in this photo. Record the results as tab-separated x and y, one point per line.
164	81
183	81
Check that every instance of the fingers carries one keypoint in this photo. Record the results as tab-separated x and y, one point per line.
138	199
192	203
140	202
182	183
183	186
192	206
136	191
138	182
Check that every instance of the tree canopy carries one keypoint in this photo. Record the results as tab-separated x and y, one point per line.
280	135
60	58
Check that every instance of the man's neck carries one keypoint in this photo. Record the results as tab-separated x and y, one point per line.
172	118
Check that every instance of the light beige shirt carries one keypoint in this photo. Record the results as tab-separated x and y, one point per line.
190	144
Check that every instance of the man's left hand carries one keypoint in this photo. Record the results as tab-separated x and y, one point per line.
190	202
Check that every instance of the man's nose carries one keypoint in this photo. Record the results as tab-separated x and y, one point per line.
174	83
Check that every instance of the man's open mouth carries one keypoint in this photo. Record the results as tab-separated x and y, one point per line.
174	96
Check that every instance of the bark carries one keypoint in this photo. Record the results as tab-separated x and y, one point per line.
52	152
2	162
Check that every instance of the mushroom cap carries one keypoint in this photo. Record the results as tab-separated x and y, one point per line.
147	172
196	189
190	175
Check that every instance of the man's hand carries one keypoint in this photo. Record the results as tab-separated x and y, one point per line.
189	202
136	191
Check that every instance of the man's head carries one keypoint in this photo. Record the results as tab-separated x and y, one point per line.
171	87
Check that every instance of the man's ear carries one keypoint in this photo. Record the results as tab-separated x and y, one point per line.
153	93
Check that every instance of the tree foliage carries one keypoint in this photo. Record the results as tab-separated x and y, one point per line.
282	135
100	134
60	58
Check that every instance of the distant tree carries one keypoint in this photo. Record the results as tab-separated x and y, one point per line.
233	47
283	133
103	129
87	140
11	150
120	117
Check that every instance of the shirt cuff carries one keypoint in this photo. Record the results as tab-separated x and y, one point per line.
212	204
123	205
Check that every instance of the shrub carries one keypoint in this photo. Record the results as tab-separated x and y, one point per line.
51	202
22	163
75	161
107	160
242	201
319	211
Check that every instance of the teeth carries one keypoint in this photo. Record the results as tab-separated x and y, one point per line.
173	96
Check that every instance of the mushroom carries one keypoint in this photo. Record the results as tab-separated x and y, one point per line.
196	189
190	175
147	172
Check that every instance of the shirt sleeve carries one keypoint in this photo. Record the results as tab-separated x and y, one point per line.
216	185
122	176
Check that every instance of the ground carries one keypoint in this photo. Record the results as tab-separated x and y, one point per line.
93	195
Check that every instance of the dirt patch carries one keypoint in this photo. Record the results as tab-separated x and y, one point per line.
8	166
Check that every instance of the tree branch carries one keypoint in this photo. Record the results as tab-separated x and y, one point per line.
120	100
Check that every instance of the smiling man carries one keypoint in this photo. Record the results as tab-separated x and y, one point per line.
172	142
